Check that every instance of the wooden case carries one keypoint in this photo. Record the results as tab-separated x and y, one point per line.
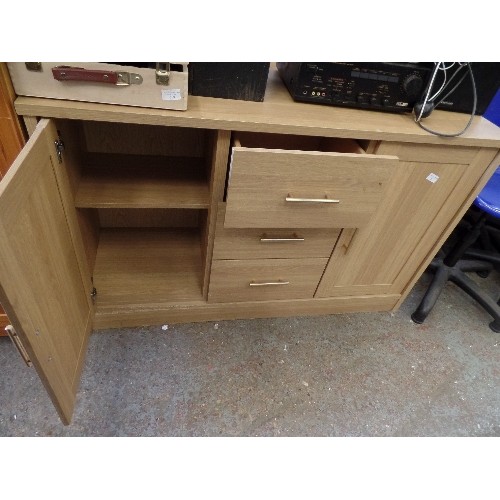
245	81
109	83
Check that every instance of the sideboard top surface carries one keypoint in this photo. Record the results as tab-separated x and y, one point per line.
277	114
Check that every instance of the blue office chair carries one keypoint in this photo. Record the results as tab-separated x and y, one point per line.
467	256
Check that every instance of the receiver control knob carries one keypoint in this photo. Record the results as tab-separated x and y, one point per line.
412	85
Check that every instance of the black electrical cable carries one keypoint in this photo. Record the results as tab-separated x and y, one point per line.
448	83
452	90
474	104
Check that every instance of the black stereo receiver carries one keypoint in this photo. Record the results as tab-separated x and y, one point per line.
391	87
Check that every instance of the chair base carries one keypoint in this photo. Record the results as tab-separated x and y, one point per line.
444	273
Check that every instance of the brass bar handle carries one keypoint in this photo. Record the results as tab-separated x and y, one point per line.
17	342
310	200
270	283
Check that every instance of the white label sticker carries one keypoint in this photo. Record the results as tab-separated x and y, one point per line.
171	94
432	178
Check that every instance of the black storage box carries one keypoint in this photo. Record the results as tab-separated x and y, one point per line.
242	81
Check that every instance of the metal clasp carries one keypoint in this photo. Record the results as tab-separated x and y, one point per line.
125	78
162	73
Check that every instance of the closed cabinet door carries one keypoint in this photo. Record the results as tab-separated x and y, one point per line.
45	284
383	257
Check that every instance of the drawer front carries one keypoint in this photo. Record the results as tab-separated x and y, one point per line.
264	279
275	243
278	188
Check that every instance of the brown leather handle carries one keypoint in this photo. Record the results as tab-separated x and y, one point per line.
66	73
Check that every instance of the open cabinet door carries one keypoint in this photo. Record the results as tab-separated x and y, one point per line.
45	284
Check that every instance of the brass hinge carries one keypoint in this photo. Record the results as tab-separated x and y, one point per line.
124	78
17	342
59	144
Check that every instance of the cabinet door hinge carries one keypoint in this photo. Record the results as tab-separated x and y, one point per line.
93	294
19	345
59	144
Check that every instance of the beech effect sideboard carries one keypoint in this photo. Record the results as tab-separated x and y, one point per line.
122	216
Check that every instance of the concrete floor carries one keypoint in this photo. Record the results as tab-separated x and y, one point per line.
365	374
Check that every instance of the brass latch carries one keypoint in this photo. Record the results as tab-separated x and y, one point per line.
162	73
17	342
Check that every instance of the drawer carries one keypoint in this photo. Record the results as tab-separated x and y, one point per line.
326	183
264	279
249	243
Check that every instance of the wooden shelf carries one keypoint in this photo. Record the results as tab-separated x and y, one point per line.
144	266
129	181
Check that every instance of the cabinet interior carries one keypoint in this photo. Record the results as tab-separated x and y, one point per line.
297	142
142	197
